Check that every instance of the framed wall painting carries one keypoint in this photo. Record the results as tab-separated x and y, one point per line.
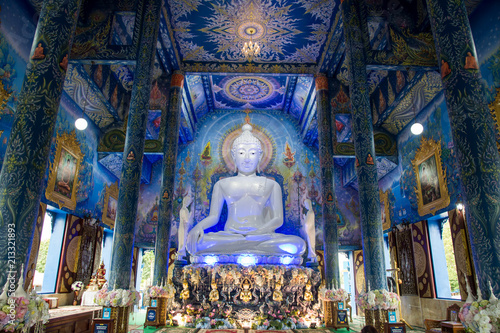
63	176
110	205
431	189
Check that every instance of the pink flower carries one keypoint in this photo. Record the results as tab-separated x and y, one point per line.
21	311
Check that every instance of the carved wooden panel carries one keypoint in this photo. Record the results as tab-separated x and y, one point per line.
359	273
88	244
35	246
133	273
406	263
463	257
98	249
423	260
393	250
70	254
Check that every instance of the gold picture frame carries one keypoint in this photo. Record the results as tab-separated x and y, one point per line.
431	189
63	176
385	209
110	205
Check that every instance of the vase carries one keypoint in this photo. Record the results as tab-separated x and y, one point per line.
369	317
161	304
120	315
380	318
75	300
328	309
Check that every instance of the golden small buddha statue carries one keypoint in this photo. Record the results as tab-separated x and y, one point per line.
308	296
101	275
277	294
185	290
214	294
246	294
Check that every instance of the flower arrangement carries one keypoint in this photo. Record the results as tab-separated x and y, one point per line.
334	295
77	286
378	300
481	315
117	297
21	313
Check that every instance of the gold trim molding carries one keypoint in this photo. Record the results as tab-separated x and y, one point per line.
111	192
63	177
429	170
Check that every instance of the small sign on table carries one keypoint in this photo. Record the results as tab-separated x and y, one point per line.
151	317
342	317
106	313
394	328
341	305
392	317
102	325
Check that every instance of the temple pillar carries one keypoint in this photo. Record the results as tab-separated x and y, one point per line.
362	128
473	135
330	237
123	240
28	149
170	143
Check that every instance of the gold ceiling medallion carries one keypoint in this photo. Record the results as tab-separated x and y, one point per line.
63	177
110	205
432	189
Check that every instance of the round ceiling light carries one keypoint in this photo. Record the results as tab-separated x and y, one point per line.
81	124
417	128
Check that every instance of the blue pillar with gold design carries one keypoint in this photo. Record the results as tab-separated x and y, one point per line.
362	128
170	143
473	134
28	148
123	240
330	236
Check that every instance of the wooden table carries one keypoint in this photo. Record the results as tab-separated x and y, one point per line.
394	328
452	327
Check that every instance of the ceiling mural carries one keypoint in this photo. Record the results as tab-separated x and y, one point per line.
81	91
287	31
415	100
249	92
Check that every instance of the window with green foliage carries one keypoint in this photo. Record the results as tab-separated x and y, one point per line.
443	259
148	263
450	260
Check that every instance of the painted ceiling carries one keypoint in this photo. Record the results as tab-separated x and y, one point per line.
298	38
288	31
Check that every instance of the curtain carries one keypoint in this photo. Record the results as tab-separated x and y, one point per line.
423	260
463	256
35	247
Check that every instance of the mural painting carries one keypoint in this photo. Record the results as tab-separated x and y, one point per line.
65	178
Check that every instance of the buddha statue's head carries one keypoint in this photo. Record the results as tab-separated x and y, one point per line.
246	151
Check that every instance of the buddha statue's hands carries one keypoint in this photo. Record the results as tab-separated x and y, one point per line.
195	237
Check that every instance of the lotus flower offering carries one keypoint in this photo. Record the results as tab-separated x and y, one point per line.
378	300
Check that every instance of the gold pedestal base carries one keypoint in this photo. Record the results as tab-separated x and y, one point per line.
120	315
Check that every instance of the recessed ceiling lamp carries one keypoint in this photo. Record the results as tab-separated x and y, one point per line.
81	123
417	127
250	49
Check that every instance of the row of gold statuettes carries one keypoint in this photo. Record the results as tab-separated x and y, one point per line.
245	293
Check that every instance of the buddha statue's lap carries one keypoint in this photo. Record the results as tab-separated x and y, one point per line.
255	210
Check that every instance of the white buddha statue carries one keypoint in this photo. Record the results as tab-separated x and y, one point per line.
309	229
255	210
185	222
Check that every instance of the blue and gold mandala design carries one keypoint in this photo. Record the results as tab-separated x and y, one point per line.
249	89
